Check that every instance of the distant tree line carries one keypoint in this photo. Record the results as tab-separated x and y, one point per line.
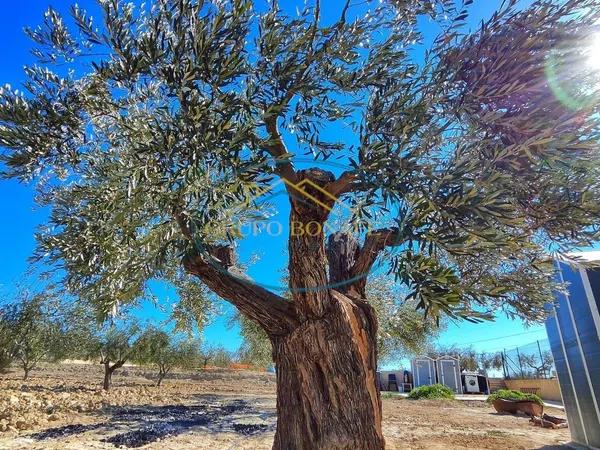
39	327
533	364
470	359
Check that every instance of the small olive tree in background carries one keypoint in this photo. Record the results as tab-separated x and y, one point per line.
537	365
255	348
115	347
112	344
158	349
221	357
492	361
215	355
32	329
150	132
5	346
207	353
403	330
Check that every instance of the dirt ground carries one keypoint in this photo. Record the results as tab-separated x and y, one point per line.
63	407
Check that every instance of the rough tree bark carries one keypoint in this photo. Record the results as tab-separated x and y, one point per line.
324	339
327	395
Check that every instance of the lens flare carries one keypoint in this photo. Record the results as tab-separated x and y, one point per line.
573	73
593	56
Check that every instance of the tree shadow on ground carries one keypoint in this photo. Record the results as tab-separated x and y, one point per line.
555	447
140	425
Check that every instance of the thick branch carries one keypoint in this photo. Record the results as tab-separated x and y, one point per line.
345	183
350	264
277	149
310	207
272	312
118	364
374	243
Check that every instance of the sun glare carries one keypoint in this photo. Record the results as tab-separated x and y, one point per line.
594	52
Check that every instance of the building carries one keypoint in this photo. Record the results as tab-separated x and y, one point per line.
574	335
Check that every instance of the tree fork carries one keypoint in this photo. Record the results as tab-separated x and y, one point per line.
273	313
350	263
327	394
310	206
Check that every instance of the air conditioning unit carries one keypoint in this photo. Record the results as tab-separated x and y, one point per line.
472	384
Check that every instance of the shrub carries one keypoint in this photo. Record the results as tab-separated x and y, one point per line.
389	395
433	391
507	394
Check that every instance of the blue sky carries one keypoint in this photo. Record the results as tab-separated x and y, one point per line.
21	216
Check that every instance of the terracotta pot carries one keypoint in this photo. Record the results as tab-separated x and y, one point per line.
511	406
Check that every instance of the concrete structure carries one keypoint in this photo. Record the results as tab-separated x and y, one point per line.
574	334
547	389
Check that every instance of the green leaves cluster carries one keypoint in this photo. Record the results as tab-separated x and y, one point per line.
256	347
517	396
32	329
158	349
147	134
113	342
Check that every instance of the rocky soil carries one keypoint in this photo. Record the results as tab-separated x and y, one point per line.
63	407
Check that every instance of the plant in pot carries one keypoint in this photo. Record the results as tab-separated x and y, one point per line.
510	401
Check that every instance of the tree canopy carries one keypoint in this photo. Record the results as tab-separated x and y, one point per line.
157	348
33	328
149	132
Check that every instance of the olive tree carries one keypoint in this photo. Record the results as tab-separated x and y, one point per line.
403	330
112	344
5	346
256	346
207	353
156	348
221	357
538	365
151	131
491	361
32	330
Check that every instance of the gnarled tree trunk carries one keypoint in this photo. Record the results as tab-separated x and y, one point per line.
324	338
327	395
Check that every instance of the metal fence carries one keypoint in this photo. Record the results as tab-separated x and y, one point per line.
533	360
